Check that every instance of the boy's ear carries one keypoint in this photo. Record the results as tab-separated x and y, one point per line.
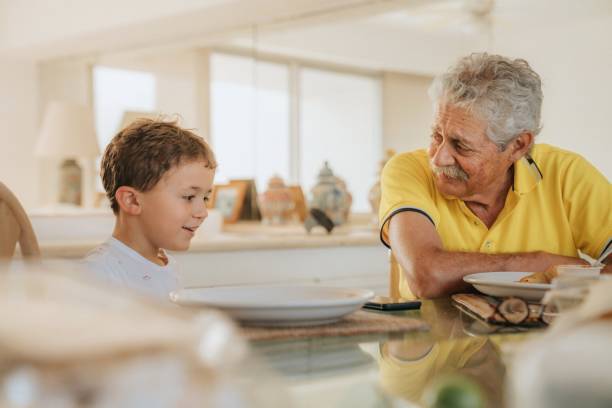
128	200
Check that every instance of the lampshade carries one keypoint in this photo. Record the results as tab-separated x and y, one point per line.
67	131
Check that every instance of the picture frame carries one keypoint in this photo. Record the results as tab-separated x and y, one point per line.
250	208
229	200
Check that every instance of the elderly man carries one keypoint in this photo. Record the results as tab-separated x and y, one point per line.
484	197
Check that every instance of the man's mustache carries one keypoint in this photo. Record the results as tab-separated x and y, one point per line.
454	172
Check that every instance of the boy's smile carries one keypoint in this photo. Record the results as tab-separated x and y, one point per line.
192	230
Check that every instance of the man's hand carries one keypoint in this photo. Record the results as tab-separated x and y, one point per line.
433	272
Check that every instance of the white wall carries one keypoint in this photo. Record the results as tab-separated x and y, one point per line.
19	124
575	63
372	42
44	30
56	20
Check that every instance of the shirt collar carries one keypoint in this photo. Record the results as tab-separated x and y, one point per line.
527	175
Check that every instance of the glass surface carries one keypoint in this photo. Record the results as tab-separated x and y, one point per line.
388	369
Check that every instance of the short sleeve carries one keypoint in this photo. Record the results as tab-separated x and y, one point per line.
587	196
103	267
406	185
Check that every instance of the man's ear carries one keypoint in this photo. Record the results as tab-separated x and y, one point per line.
520	145
128	199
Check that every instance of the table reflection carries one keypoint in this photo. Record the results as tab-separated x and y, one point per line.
409	366
413	363
389	369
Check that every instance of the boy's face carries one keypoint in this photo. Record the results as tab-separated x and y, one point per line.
176	206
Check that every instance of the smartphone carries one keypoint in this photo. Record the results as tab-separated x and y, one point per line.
387	303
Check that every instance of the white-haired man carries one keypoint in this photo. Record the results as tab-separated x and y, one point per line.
484	197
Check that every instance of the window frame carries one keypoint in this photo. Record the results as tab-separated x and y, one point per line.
295	66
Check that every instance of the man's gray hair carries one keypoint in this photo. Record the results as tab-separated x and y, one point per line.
505	93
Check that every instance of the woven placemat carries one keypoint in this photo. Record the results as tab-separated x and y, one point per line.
360	322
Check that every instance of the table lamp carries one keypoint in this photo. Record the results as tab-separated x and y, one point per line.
67	132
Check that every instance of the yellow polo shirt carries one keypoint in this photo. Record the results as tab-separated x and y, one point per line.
559	203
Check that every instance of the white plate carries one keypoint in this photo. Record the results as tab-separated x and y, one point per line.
507	284
277	305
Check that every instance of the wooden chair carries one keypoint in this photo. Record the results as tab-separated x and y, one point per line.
15	227
394	277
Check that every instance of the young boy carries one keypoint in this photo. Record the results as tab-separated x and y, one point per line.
158	178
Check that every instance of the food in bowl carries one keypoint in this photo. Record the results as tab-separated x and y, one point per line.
548	275
540	277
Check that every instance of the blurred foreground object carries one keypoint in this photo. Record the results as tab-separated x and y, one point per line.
453	391
570	365
15	227
375	193
69	343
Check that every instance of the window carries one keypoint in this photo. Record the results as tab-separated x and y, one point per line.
250	118
336	117
116	91
340	122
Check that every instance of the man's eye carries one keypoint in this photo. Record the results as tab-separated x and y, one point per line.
461	147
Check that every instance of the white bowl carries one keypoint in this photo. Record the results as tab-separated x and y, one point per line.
579	270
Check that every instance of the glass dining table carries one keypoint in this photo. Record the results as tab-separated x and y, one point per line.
456	354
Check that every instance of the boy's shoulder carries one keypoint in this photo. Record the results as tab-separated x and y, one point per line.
115	263
105	261
114	260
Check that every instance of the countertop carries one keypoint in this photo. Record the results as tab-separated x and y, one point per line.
243	236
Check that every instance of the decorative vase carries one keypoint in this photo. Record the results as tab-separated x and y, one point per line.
276	203
331	196
70	183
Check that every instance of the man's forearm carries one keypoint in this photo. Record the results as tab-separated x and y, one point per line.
439	272
432	271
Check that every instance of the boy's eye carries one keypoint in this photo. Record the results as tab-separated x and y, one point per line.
206	199
189	197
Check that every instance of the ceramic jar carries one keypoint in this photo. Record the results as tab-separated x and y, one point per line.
276	203
331	196
70	183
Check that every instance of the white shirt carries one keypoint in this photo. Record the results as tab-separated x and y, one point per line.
118	264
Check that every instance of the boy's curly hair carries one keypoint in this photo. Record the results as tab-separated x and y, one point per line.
140	154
